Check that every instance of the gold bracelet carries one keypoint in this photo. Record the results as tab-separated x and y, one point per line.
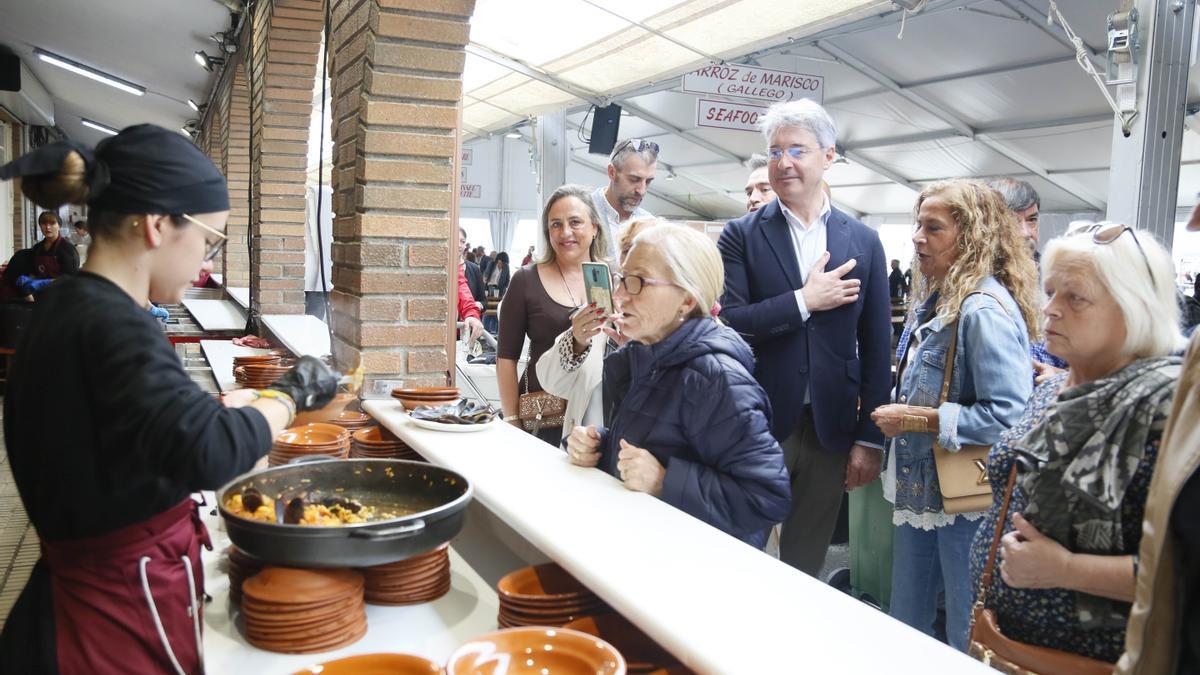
914	423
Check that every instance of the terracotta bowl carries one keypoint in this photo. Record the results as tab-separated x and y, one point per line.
330	411
536	651
247	359
375	664
373	438
414	403
313	434
425	392
545	583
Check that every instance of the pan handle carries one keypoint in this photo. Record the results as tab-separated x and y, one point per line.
391	533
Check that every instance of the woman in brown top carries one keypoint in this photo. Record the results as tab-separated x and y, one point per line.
541	296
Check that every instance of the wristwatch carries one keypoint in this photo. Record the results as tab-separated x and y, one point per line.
914	423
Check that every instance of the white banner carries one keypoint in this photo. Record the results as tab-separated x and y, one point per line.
764	84
727	115
473	191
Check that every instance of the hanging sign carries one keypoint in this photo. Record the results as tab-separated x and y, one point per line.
764	84
472	191
726	115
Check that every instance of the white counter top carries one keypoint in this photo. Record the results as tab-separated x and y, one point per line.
717	604
303	334
220	355
432	630
241	294
217	315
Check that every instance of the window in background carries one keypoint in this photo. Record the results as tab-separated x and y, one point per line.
1185	253
479	232
527	234
897	243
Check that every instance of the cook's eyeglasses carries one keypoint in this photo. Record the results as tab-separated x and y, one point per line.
1107	233
638	145
795	152
633	284
213	249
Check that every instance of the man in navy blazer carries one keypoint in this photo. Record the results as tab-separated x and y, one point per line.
806	285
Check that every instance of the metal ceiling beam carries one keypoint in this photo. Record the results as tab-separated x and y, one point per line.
1037	18
998	145
990	70
881	170
707	215
535	73
891	85
939	134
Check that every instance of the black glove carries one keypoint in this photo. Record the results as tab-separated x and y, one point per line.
310	383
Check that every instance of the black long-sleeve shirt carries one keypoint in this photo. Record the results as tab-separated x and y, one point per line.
103	426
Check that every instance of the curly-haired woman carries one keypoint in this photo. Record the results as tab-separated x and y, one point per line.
974	273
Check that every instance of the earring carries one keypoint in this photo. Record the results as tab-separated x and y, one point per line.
135	223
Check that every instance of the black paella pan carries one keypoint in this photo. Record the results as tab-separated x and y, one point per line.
431	502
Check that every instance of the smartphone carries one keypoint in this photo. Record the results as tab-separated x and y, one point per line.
598	282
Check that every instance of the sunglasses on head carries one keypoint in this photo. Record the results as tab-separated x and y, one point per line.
638	145
1107	233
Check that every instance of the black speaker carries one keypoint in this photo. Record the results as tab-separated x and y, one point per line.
10	72
606	122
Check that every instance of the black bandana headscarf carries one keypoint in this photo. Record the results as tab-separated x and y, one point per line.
143	169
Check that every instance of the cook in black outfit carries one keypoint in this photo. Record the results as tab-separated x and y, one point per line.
118	587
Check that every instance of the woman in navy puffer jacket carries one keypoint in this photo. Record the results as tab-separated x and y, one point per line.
690	425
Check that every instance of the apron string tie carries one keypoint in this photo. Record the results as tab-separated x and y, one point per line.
193	610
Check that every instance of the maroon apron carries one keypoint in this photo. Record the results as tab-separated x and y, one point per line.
45	264
104	621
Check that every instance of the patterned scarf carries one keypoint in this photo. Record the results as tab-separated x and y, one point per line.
1087	450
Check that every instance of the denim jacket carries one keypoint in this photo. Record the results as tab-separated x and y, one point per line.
991	381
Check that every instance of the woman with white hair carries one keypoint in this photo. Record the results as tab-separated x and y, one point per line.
689	425
574	367
1086	446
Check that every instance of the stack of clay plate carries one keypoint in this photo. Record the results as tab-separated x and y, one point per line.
421	578
415	397
303	611
544	595
258	375
372	443
241	568
352	420
310	439
642	654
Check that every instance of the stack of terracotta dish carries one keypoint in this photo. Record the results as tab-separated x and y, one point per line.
303	611
642	654
258	374
421	578
241	568
352	420
415	397
372	443
310	439
536	650
544	595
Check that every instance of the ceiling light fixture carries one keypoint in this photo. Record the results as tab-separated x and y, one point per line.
207	62
89	72
513	134
97	126
198	107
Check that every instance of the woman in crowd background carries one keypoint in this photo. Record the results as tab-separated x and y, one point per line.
1087	444
541	296
976	276
690	424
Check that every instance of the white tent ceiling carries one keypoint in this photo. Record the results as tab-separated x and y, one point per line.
974	88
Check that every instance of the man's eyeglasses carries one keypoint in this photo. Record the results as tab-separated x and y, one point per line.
795	152
1107	233
638	145
634	284
213	249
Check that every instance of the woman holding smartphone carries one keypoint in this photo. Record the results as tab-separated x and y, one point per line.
542	296
573	369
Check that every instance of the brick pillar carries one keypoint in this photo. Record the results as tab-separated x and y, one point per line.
236	108
215	139
286	45
397	82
